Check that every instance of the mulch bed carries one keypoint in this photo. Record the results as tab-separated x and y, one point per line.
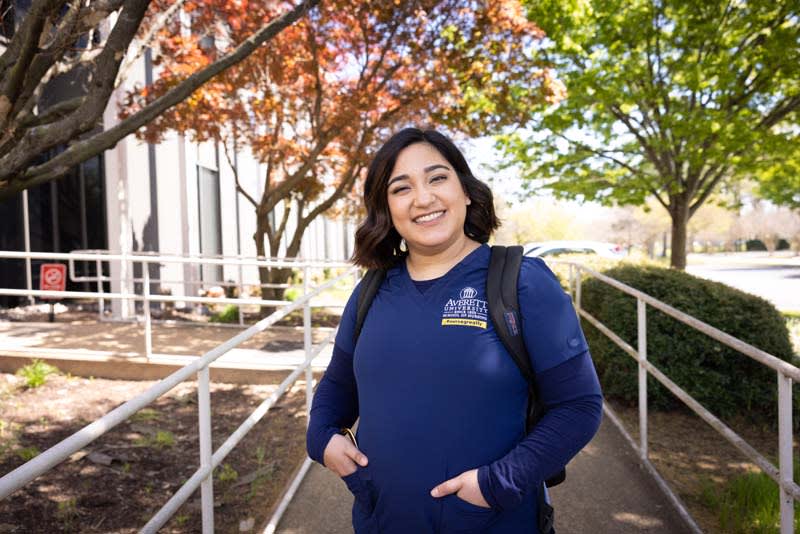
118	482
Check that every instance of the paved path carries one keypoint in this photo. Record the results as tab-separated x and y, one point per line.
606	491
116	349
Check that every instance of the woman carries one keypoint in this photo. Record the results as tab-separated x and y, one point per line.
441	443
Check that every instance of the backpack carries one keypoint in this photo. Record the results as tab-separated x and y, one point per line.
503	303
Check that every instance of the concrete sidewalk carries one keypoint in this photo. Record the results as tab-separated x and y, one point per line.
116	349
606	491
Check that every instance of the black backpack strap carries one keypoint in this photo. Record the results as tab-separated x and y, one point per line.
503	299
369	287
501	293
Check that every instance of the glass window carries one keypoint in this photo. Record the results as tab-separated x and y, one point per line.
210	221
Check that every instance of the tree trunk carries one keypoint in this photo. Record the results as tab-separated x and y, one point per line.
269	275
679	213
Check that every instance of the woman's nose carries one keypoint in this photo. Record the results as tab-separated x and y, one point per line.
423	197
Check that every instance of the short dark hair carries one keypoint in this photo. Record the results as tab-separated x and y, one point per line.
377	241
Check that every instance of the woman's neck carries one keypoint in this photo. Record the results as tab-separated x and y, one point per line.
423	265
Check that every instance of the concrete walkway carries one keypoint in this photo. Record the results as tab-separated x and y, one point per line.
606	491
116	350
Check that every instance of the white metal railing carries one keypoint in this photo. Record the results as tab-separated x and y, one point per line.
209	460
786	373
145	259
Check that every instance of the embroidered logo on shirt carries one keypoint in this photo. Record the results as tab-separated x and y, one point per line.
466	310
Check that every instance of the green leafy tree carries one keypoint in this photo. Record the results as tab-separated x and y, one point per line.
781	182
670	99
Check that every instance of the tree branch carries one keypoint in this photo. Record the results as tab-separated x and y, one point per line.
709	188
82	150
17	58
147	39
235	170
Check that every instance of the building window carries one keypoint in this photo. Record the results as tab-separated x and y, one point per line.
210	223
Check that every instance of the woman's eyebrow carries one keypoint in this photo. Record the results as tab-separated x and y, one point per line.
430	168
427	169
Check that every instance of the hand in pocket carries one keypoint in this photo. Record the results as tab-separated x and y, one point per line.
341	456
466	488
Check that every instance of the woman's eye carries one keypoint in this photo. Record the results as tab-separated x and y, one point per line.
439	178
399	190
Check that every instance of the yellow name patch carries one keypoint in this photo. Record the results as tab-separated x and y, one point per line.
464	322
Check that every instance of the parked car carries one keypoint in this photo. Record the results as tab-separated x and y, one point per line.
557	248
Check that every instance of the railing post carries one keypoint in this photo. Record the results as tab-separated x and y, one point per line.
572	281
307	345
27	230
241	288
641	312
204	414
578	283
785	467
101	302
148	333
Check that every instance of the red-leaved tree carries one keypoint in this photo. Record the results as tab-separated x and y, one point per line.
315	103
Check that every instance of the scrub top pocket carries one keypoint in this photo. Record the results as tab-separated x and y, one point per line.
360	485
465	518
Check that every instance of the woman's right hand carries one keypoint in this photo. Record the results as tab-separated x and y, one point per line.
341	456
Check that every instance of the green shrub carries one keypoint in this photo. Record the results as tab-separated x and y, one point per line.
230	314
36	372
720	378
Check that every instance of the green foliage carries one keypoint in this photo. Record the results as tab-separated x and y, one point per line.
260	454
28	453
160	440
227	473
229	314
146	415
720	378
748	504
780	183
292	294
667	99
164	438
67	512
36	373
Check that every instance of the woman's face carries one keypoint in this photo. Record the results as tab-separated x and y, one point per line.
426	201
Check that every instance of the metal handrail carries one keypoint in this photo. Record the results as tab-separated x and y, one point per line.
786	373
202	477
169	258
146	296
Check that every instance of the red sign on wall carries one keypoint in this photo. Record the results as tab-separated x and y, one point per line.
53	277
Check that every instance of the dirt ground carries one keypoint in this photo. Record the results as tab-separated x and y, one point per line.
694	458
117	483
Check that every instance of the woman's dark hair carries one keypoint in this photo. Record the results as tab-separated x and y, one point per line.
377	241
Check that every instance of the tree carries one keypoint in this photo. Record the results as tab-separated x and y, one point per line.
316	102
87	41
668	99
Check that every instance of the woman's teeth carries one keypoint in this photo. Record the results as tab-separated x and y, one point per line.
429	217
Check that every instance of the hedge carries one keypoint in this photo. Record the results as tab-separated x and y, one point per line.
723	380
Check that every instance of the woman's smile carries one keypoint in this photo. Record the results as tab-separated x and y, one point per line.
430	218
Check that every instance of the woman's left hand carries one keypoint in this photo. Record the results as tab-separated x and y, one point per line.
465	486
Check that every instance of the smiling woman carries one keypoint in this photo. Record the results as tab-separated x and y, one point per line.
428	374
415	175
